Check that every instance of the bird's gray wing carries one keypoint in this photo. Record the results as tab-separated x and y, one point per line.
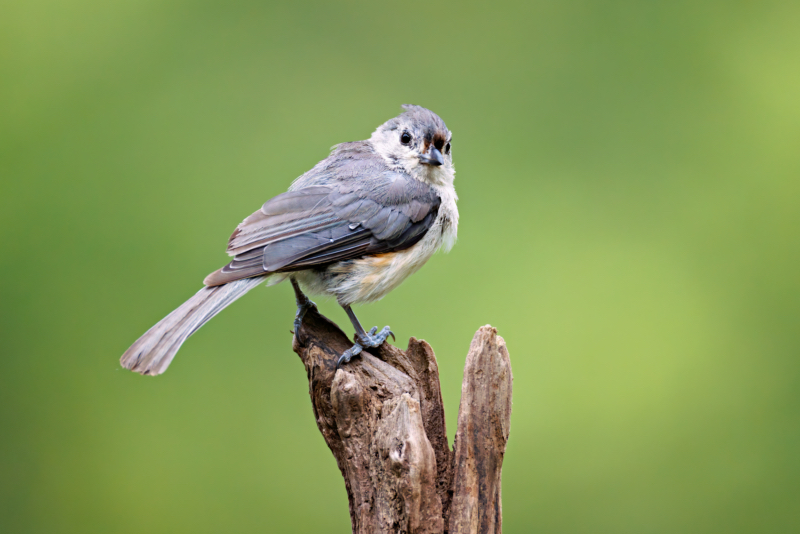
318	225
393	213
286	215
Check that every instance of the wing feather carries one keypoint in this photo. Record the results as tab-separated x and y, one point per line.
315	226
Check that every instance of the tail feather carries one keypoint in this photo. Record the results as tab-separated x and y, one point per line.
153	352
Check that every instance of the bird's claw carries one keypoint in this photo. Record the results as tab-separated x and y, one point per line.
348	354
374	329
371	339
302	309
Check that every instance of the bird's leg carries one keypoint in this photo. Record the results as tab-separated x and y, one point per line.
363	339
303	305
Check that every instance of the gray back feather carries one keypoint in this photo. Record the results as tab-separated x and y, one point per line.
356	206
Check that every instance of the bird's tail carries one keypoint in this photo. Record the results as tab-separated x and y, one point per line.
153	352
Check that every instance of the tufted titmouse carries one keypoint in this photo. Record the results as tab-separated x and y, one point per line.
353	227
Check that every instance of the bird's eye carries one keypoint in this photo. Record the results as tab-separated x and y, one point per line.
447	148
405	138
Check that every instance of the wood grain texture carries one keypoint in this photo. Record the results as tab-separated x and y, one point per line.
483	425
383	419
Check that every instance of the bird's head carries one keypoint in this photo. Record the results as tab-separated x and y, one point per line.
417	141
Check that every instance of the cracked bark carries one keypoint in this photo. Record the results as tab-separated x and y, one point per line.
383	419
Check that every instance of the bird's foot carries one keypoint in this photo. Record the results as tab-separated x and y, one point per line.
348	354
302	309
304	304
370	339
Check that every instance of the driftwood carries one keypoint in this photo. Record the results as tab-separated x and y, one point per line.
383	419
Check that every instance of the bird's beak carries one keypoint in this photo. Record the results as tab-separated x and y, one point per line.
434	157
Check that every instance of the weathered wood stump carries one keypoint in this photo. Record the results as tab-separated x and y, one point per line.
383	419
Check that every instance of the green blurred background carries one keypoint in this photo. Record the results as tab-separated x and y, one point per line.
629	175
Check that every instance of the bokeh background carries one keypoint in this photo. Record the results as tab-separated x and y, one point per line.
629	190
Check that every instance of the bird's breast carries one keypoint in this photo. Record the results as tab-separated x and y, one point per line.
373	277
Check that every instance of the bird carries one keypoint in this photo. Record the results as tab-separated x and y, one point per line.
354	227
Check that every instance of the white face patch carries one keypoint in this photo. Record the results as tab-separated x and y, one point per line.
406	158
